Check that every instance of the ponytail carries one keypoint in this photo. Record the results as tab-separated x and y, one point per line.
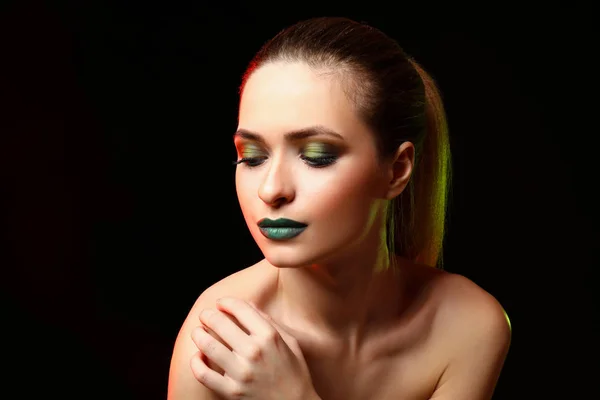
422	207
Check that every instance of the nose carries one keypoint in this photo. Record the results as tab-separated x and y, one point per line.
276	189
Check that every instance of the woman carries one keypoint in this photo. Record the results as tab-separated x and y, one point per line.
343	174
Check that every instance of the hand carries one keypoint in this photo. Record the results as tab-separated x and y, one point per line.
265	363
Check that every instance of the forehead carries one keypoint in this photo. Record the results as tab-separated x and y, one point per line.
281	97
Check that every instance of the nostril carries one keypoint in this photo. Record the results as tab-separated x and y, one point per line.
278	202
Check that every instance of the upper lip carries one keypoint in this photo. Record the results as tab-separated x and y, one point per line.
280	223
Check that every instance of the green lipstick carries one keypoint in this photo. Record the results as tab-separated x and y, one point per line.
280	229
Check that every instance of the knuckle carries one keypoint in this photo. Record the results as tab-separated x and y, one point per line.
210	347
199	372
207	344
237	392
254	352
271	337
201	376
246	375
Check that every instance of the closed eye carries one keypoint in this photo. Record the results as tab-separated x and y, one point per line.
321	161
250	161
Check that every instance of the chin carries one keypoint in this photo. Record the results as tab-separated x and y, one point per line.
297	254
288	257
282	256
282	261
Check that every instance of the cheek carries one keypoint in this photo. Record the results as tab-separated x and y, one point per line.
245	189
343	195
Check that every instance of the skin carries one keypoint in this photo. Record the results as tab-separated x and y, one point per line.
416	334
343	203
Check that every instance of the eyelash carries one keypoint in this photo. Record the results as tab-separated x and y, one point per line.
314	162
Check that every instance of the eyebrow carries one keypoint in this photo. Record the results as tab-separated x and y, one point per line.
298	134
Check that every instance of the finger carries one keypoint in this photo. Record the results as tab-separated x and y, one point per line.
216	336
283	331
210	364
229	332
247	315
207	377
214	350
261	312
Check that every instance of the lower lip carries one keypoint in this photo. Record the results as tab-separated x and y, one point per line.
281	233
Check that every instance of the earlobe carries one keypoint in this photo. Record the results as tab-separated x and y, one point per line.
400	170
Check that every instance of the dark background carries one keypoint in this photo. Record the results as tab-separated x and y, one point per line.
117	191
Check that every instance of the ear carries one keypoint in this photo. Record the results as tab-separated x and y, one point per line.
400	170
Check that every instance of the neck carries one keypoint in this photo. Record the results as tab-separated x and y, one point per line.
346	298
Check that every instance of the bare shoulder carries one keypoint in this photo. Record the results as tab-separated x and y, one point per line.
459	306
474	333
465	305
246	284
243	284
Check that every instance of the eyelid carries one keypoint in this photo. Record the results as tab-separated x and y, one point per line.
250	147
319	146
323	148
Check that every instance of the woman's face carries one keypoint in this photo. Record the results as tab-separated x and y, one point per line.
308	158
